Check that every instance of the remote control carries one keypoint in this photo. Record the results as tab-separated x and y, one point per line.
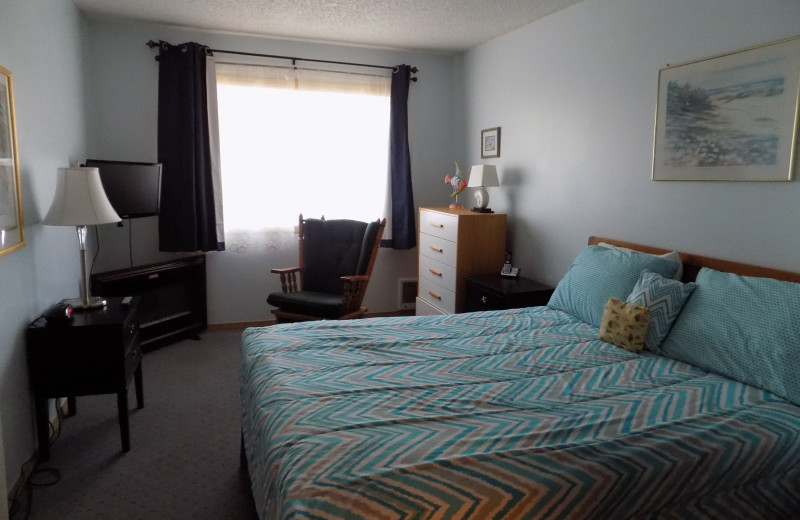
127	300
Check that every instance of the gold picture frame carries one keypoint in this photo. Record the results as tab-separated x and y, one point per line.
12	232
732	117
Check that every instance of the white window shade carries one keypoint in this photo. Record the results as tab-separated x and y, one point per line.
300	141
304	79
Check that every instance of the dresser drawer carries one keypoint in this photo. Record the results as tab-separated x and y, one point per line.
437	272
439	225
423	308
438	296
438	248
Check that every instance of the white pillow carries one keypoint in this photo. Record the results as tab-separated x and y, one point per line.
672	255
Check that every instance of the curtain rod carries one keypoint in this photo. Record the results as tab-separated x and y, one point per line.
152	44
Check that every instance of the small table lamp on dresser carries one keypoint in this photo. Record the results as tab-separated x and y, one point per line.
80	201
482	176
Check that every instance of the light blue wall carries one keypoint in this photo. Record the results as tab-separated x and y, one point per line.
123	108
575	95
41	43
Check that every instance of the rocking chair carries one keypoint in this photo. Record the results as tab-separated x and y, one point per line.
336	259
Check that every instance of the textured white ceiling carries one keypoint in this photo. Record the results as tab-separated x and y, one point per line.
447	26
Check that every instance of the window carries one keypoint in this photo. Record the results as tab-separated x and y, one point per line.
301	141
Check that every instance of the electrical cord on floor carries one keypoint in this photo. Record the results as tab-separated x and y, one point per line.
42	477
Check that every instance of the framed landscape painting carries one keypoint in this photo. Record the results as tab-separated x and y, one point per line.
730	118
12	236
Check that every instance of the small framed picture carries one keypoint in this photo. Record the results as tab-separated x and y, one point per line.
490	142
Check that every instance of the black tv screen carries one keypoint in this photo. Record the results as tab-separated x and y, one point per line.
133	188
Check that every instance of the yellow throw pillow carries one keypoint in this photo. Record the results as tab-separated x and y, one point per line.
624	324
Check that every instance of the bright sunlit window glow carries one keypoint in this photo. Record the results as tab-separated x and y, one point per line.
285	152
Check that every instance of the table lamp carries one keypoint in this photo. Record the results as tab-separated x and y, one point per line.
80	201
482	176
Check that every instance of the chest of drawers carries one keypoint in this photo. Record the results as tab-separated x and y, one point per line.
454	243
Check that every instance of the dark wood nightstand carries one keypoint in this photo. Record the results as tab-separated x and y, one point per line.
96	352
493	292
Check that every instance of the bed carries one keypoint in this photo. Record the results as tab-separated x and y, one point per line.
526	413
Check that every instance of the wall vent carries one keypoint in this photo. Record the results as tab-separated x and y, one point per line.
406	293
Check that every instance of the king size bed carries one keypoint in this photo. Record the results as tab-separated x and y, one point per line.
526	413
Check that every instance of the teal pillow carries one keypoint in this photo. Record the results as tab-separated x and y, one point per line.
665	298
600	273
744	328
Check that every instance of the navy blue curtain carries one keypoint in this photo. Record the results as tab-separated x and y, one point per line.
403	216
191	207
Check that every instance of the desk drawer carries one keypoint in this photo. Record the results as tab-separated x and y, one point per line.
439	225
438	296
438	248
437	272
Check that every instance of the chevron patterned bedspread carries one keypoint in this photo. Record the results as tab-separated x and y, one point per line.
503	415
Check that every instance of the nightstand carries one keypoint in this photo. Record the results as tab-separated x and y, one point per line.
493	292
96	352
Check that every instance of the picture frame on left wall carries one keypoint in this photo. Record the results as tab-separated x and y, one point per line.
12	233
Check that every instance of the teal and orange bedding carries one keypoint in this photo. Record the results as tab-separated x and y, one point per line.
503	415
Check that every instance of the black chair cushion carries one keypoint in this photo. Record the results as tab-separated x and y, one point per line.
324	305
335	248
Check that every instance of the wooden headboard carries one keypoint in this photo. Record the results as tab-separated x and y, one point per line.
692	263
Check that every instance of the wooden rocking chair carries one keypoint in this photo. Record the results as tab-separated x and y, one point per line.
336	259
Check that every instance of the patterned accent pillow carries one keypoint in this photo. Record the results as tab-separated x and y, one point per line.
624	324
599	273
742	327
665	298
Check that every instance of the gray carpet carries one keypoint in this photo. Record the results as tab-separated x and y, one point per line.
184	458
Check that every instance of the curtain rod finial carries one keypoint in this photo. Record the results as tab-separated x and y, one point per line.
151	44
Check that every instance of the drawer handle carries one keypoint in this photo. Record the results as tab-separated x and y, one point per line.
434	271
435	295
436	224
437	249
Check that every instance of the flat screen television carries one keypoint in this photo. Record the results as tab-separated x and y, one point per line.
133	188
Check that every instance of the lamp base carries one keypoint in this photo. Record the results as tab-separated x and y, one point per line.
77	304
482	210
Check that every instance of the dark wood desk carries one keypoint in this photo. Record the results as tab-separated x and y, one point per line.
490	292
97	352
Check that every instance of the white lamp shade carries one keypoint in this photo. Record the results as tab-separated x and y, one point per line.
80	200
483	175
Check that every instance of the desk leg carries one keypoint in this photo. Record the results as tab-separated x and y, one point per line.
72	406
124	424
43	428
137	378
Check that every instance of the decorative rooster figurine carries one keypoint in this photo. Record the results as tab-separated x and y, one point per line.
458	182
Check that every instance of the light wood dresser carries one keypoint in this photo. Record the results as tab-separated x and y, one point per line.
454	243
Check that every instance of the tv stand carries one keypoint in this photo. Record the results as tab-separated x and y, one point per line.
173	298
